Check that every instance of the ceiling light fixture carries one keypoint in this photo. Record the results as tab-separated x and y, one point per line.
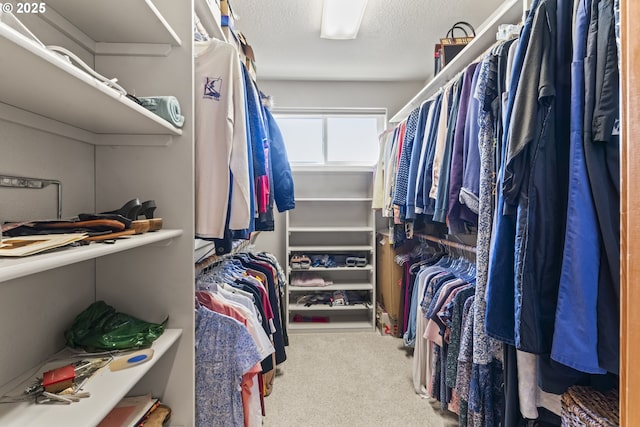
341	19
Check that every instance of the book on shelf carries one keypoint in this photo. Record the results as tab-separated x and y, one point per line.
129	411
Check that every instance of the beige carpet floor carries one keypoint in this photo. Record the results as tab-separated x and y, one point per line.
348	379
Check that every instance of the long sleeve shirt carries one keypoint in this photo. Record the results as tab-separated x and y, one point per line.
221	152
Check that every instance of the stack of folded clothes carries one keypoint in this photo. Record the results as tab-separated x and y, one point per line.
323	261
339	298
335	298
310	279
358	297
316	298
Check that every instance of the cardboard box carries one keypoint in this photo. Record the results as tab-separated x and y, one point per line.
389	284
385	324
389	326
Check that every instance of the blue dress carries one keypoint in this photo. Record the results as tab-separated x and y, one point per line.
224	352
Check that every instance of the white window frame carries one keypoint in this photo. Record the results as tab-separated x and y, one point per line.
325	113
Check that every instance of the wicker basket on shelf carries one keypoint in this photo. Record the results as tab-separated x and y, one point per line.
584	406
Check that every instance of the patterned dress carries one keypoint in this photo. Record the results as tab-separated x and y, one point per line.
224	352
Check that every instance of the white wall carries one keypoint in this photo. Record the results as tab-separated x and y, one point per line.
329	94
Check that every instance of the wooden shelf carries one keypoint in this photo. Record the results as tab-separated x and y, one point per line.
331	229
510	12
334	287
117	21
107	389
12	268
69	96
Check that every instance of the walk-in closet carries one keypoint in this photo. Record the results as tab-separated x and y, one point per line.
324	213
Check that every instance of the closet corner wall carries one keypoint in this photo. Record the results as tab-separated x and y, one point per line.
102	163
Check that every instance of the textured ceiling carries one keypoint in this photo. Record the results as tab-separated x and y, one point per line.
395	41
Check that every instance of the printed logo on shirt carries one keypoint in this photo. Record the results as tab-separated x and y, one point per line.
616	128
212	87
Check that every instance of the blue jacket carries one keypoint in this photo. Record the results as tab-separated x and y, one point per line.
500	293
402	177
578	294
257	133
282	185
424	183
415	160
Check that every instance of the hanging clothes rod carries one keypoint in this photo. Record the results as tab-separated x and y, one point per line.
446	242
239	246
211	261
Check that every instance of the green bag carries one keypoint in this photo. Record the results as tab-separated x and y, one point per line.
100	327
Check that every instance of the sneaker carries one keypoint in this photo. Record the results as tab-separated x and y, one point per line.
305	262
339	298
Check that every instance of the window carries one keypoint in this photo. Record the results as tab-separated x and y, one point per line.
303	138
326	138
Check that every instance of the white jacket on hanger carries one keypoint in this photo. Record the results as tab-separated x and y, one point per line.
220	142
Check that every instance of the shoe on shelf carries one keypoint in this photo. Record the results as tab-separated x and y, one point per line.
141	226
129	215
305	262
298	318
129	210
147	210
295	262
339	298
126	222
126	214
133	210
317	261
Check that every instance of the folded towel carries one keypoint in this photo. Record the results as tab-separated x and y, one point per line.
166	107
309	279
